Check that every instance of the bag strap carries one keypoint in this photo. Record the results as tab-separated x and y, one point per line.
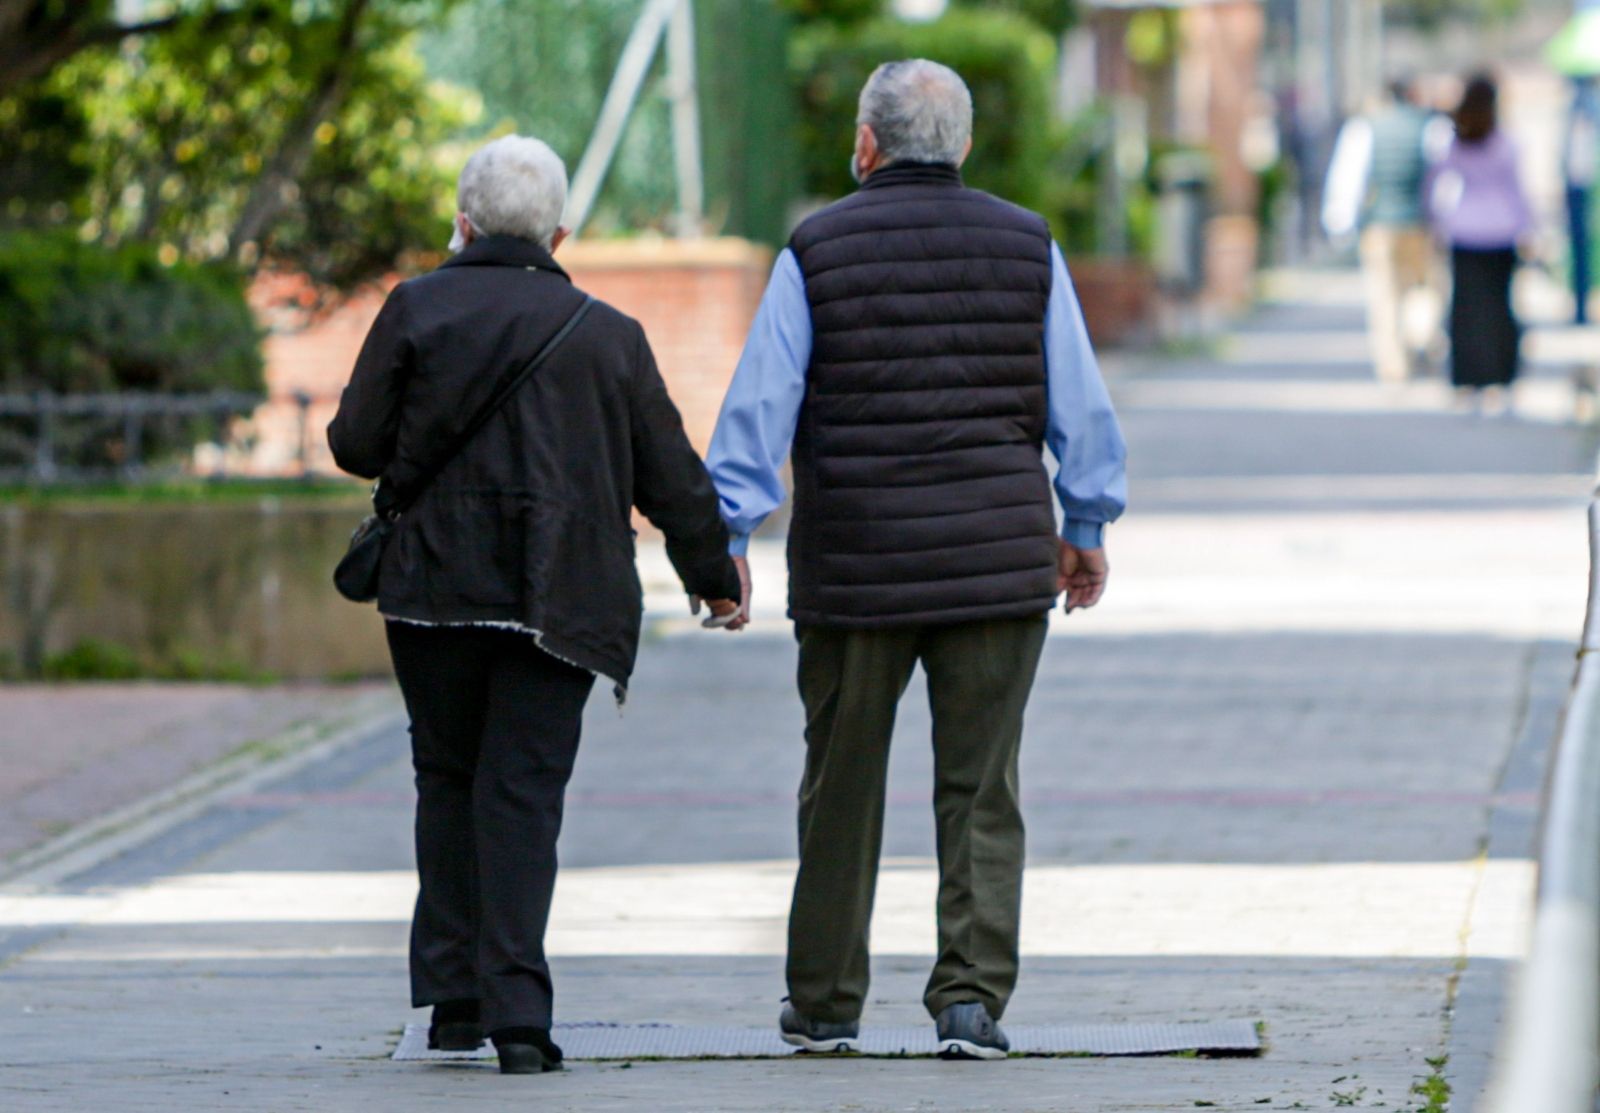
489	409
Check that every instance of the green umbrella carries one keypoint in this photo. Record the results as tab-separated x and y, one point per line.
1575	50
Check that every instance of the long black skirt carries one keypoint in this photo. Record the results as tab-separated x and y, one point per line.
1484	334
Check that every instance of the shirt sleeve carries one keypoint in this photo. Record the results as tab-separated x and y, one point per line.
756	427
1082	431
1348	171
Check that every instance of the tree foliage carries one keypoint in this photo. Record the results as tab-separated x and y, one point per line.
84	318
38	35
303	137
1006	60
1054	16
1432	13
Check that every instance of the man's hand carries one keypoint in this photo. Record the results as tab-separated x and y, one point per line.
1081	573
743	618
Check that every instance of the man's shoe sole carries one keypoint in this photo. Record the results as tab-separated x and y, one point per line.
836	1045
966	1049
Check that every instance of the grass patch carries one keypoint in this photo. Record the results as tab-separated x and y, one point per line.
97	659
1433	1090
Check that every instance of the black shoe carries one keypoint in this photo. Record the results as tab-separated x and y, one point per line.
967	1031
526	1050
818	1035
455	1026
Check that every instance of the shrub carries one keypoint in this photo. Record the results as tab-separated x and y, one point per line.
98	659
93	659
81	318
1006	59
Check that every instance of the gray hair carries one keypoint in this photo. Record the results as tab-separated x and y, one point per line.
514	186
919	111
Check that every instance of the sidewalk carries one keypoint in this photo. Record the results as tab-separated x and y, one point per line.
1287	771
71	753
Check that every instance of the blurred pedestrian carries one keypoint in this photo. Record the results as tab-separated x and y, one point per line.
1375	182
1482	215
509	581
1580	165
918	346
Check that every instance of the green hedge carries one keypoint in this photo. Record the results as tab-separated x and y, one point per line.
1007	60
83	318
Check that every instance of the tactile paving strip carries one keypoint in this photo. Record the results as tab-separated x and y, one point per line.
602	1040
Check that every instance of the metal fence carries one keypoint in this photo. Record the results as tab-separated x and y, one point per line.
59	438
1549	1059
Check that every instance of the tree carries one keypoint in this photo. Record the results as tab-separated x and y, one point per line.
1006	60
38	35
1054	16
1432	13
304	138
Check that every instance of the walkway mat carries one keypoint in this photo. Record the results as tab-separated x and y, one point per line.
602	1040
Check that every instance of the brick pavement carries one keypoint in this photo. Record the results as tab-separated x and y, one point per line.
70	753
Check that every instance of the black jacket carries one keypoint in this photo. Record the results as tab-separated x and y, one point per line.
920	490
531	524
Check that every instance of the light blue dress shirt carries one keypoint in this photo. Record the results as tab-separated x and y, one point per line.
756	428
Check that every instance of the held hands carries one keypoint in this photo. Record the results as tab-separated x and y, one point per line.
725	613
1081	573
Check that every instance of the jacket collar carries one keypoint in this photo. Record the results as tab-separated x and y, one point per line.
504	251
913	173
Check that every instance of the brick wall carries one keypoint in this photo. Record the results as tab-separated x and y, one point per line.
695	299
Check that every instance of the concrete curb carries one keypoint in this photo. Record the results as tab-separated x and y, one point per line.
101	839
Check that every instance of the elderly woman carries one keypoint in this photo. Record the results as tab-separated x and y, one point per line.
509	582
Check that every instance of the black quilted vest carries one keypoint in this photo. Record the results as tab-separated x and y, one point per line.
920	490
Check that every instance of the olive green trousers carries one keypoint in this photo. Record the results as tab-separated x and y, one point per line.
979	677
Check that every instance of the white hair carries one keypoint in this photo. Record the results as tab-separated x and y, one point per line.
918	110
514	186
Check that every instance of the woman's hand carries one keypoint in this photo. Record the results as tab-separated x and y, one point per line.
726	614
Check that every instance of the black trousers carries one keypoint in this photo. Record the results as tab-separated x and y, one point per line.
1484	334
494	732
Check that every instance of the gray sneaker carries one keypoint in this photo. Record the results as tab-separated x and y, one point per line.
818	1035
967	1031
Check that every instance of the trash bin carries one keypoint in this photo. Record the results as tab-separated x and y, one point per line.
1183	180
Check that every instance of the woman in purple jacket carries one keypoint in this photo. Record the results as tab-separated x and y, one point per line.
1481	213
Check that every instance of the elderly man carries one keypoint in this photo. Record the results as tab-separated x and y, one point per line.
918	345
509	581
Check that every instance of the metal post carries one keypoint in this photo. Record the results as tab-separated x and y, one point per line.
302	453
632	68
132	441
685	121
44	449
219	419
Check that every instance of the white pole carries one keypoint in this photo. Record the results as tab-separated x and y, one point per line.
685	122
632	69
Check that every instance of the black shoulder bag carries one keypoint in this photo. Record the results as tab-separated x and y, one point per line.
356	577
